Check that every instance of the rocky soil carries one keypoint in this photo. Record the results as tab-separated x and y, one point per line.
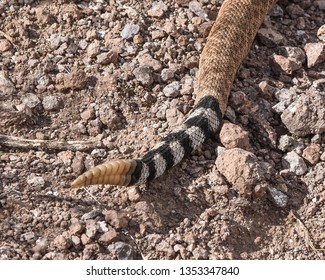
116	76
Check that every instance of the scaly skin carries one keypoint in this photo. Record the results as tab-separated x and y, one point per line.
228	44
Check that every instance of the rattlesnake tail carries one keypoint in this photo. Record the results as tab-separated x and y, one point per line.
203	122
228	43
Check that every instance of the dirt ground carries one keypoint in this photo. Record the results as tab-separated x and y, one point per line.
119	75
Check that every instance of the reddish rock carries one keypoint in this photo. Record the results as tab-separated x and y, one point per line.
290	60
117	219
75	80
147	60
266	91
62	242
240	102
88	114
76	228
72	10
107	58
233	136
5	45
315	53
312	153
109	236
244	171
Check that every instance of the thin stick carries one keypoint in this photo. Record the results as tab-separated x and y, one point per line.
307	234
94	198
136	244
21	143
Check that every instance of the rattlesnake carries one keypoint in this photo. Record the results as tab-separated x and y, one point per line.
227	45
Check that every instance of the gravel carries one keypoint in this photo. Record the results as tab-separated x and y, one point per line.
126	75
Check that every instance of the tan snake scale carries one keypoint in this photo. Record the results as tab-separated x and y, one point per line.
228	43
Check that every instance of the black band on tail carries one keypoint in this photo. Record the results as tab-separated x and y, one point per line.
203	122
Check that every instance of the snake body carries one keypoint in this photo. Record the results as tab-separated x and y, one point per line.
228	43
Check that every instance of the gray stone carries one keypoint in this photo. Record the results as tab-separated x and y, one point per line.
288	143
295	10
123	251
102	226
276	11
278	197
294	163
144	75
90	215
320	4
147	60
35	181
167	74
51	103
197	9
28	236
306	115
41	246
158	9
130	30
31	100
99	153
287	95
91	228
83	44
269	37
172	89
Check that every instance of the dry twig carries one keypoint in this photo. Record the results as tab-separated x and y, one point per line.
21	143
306	233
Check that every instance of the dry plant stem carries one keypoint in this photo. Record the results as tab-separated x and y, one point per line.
136	244
94	198
21	143
307	234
